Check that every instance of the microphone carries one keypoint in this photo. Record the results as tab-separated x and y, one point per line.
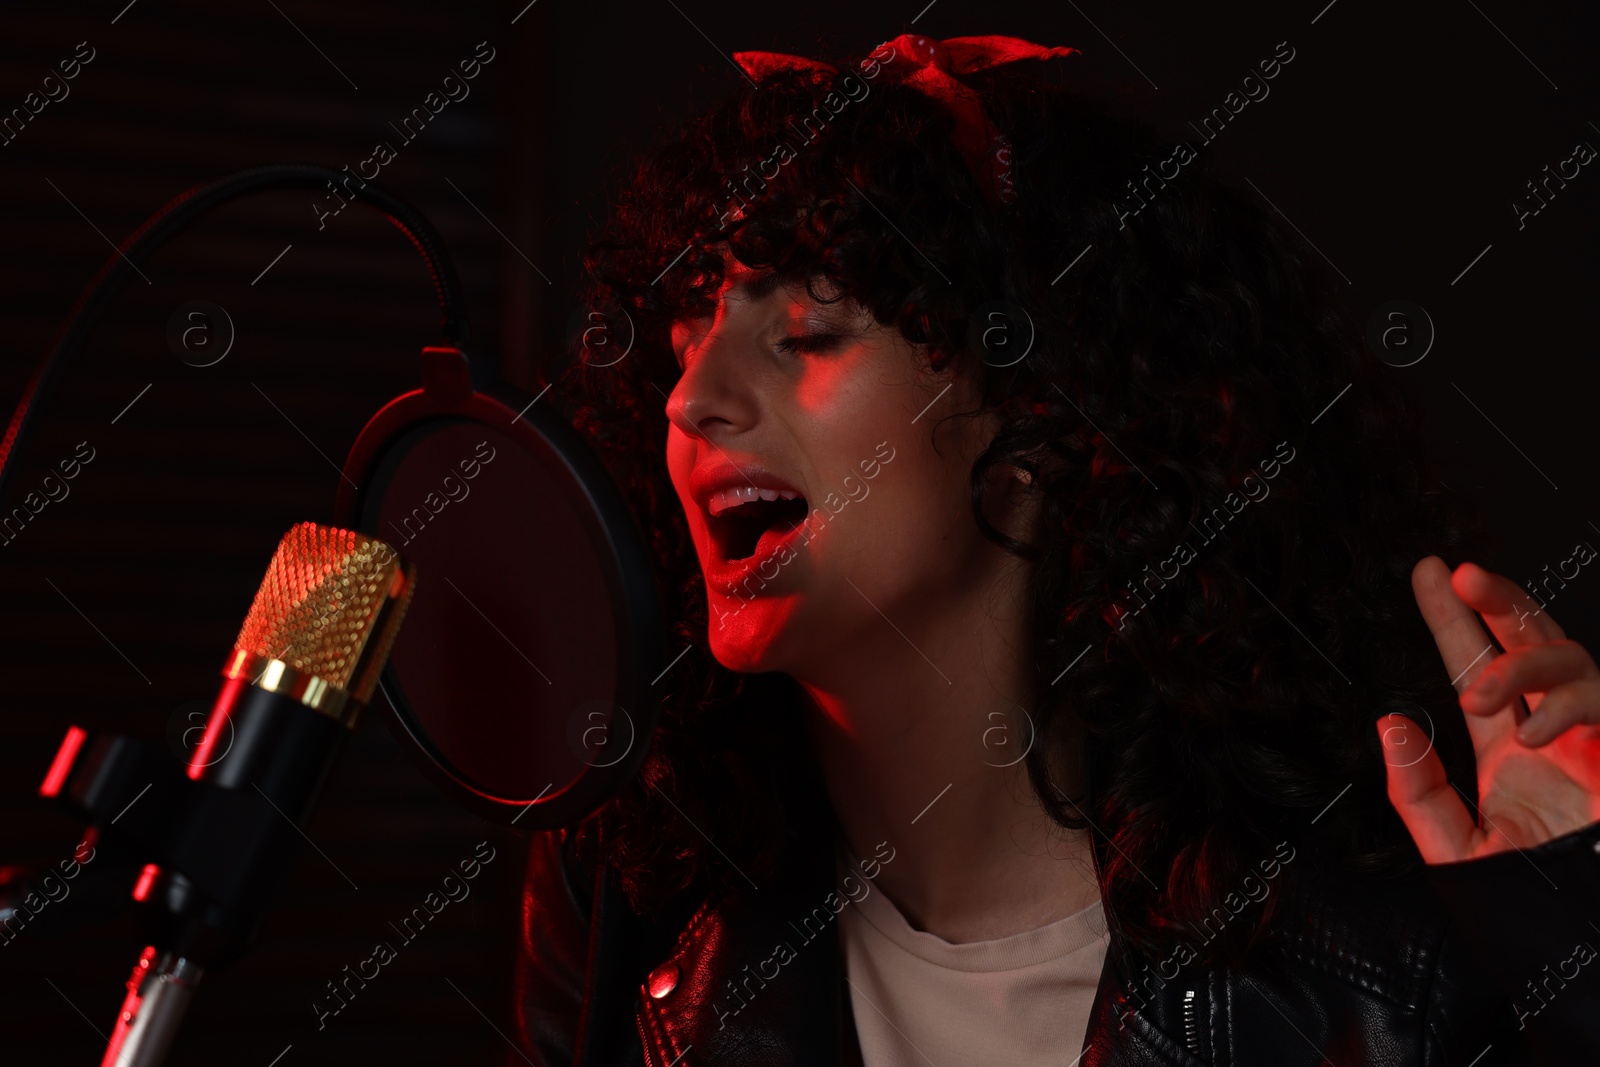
221	836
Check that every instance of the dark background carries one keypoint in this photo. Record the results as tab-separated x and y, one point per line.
1396	140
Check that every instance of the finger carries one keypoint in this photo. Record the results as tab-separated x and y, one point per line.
1431	809
1564	707
1463	644
1513	616
1529	671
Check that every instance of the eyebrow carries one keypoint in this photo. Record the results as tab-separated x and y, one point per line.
758	283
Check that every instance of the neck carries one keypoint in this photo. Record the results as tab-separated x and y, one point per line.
913	730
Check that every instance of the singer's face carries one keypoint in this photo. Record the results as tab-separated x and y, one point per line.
846	420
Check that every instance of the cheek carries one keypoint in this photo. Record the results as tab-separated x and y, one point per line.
900	502
840	395
914	517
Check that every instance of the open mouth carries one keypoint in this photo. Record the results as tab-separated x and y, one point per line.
738	531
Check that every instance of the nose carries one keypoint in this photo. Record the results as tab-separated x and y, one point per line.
712	398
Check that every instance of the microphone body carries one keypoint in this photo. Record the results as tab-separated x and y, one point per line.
218	838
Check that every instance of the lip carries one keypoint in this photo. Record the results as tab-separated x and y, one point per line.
709	481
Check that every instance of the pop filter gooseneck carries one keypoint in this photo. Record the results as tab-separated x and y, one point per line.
167	223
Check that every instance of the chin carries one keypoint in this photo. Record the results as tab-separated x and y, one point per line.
753	639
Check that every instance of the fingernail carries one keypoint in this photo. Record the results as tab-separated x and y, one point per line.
1529	730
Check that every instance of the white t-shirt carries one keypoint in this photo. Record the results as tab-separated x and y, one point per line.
1021	1000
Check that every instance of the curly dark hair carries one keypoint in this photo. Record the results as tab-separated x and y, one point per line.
1186	344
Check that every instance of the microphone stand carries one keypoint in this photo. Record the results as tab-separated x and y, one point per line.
158	995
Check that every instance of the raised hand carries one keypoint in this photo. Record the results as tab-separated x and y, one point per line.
1538	776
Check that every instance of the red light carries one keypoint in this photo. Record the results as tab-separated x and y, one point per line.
62	764
217	726
147	878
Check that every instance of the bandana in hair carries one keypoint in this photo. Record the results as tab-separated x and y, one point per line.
931	67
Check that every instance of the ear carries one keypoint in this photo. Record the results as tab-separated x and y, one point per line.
1012	501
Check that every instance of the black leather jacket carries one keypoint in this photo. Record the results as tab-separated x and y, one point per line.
1485	963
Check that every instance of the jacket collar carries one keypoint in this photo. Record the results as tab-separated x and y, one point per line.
755	978
758	981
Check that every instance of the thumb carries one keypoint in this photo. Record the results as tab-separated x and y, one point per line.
1422	794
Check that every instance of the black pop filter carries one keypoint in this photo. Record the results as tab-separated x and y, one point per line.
521	681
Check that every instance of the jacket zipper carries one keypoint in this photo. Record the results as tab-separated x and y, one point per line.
644	1043
647	1022
1191	1022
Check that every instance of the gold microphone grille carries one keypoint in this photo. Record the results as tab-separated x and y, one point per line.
330	606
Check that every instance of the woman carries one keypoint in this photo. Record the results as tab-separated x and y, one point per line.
1071	645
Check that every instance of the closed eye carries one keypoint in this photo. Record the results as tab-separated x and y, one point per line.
810	342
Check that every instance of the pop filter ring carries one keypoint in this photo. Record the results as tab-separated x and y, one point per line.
448	395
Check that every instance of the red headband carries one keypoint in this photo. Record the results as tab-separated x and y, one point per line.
934	66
